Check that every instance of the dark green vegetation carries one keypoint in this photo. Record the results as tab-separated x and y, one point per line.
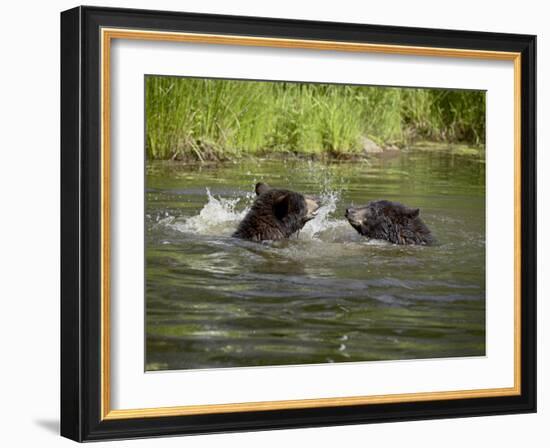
327	294
201	119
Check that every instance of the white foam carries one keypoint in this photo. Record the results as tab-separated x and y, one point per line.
218	216
322	220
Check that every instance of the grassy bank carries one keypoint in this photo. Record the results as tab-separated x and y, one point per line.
217	119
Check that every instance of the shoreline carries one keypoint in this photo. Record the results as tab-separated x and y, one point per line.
385	151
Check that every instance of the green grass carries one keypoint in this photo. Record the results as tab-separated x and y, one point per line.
204	119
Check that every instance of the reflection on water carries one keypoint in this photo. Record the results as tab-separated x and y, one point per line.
327	294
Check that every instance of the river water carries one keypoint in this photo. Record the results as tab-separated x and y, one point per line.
327	294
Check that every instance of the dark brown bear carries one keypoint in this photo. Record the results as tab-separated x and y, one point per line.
276	214
390	221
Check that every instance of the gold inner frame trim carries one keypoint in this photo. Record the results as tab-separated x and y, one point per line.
107	35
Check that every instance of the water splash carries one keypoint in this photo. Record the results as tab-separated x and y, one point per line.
324	220
219	216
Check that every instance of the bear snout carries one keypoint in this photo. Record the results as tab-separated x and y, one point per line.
350	213
312	205
353	216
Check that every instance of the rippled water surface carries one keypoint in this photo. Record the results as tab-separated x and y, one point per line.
327	294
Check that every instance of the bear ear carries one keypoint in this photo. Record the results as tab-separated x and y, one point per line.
413	212
261	188
281	205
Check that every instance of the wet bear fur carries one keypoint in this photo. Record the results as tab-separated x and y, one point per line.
276	214
390	221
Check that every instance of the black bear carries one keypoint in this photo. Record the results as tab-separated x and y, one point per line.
276	214
390	221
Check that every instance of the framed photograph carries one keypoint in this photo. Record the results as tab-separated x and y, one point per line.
272	223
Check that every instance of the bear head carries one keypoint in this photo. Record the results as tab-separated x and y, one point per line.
276	214
390	221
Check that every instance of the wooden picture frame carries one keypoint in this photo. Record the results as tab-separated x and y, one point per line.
86	35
